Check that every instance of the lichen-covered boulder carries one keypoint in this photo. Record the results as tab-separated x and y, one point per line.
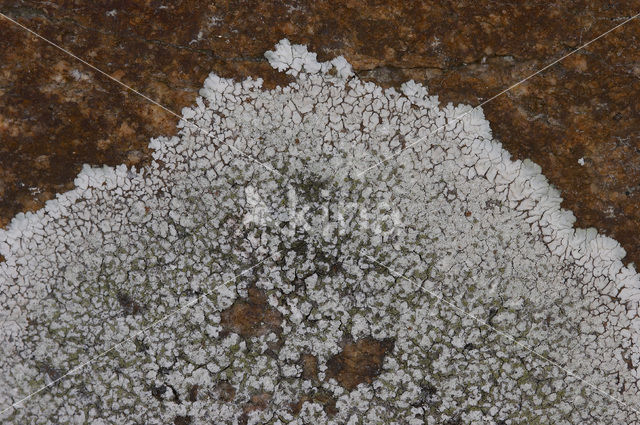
325	252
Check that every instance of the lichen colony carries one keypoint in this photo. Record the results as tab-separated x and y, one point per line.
293	283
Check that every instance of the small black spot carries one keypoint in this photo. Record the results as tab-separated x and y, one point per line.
193	393
141	346
158	392
53	373
428	395
129	306
176	397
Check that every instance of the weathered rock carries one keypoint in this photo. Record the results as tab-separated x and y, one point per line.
358	362
251	317
57	114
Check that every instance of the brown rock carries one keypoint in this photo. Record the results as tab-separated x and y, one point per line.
585	106
358	362
251	317
309	366
257	402
297	406
329	403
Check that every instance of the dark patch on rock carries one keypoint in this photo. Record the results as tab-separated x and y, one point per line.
257	402
52	372
129	306
358	362
297	406
309	366
182	420
252	316
226	391
428	395
193	393
328	401
141	346
158	391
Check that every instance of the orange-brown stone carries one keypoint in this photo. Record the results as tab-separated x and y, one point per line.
252	316
56	114
358	362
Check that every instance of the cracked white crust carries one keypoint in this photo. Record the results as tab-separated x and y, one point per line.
127	246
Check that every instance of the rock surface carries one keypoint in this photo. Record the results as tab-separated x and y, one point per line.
56	113
149	248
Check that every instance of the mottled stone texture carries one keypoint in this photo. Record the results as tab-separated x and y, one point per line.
56	113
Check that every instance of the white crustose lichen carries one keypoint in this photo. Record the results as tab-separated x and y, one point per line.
292	316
